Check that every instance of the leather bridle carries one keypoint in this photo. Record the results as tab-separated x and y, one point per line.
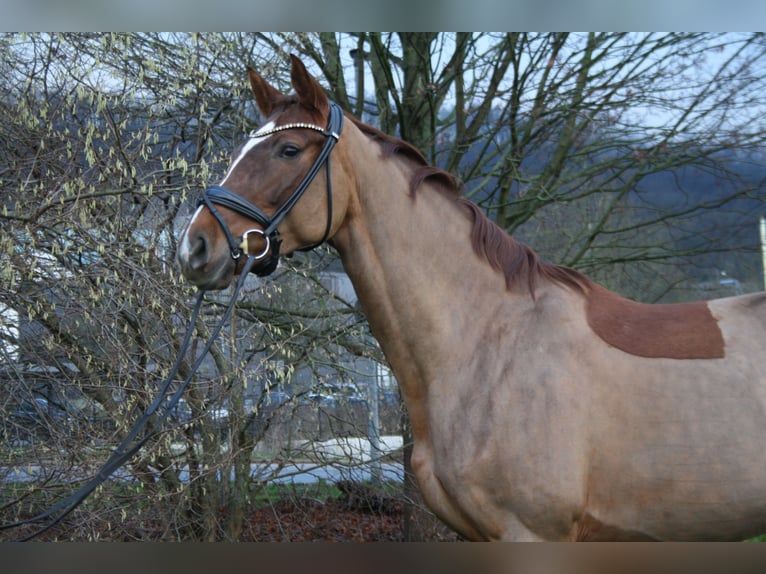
268	258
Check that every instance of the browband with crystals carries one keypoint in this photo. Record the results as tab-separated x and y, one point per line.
257	134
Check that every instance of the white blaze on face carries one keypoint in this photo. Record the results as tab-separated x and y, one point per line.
185	247
253	141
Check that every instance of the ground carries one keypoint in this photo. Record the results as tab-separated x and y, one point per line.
360	514
357	514
309	520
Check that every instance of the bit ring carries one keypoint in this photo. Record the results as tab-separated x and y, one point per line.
244	245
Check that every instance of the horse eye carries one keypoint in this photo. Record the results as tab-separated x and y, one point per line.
289	151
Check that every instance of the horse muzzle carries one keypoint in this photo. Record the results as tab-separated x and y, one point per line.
201	263
210	265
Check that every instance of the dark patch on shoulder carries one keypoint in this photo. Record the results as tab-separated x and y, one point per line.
673	331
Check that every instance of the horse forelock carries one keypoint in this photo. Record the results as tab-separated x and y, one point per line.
289	107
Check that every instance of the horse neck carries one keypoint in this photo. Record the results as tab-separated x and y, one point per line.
420	284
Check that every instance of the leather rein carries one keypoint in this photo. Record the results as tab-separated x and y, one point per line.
268	258
148	425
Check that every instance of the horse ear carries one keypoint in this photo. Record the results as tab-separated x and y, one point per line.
266	95
310	93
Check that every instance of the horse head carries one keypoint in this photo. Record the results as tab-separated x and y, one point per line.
277	195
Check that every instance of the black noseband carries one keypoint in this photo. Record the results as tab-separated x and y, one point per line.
218	195
221	196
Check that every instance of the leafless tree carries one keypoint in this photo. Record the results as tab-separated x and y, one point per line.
589	147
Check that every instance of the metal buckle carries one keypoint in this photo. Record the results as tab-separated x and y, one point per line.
245	247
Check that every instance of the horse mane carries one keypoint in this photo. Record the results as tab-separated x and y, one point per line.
423	170
491	243
515	259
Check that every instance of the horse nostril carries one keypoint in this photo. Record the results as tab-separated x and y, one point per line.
199	253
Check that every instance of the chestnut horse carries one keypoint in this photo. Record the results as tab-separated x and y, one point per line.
543	406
